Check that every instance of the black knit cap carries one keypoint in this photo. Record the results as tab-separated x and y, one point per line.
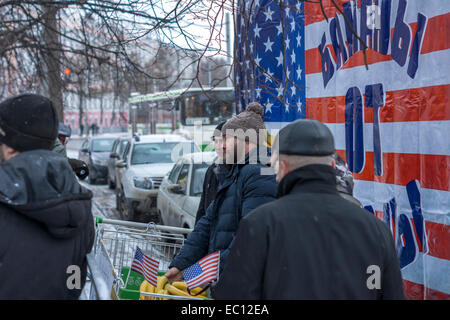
305	137
218	130
28	122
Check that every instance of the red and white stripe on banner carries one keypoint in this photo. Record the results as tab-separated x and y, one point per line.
414	126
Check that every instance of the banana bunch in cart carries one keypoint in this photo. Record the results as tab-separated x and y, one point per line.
129	258
165	290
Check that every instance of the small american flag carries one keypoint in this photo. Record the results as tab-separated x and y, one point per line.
205	270
145	266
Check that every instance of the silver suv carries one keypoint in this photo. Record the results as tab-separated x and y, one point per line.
146	160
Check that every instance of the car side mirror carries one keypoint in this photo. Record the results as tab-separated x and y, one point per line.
114	155
121	164
175	188
85	150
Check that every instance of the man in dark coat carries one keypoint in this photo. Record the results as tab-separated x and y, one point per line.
215	174
79	167
46	224
243	189
310	243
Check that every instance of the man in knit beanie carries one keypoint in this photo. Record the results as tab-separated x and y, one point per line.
243	133
243	189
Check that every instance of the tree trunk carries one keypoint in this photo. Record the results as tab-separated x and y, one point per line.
80	107
52	58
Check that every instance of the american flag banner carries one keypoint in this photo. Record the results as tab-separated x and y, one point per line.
390	120
145	266
204	271
271	64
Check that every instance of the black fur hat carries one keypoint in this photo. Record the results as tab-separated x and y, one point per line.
28	122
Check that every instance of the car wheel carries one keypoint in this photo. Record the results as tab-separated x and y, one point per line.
161	218
91	179
117	200
125	211
111	185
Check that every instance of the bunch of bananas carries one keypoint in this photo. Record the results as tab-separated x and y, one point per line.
164	287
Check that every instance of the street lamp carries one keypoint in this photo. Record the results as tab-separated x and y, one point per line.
133	125
153	117
133	114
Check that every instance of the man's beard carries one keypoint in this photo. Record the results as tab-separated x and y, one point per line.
238	154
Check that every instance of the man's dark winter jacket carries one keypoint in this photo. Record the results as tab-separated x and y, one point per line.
215	175
46	225
311	244
243	190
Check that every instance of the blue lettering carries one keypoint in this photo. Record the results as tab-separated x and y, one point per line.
401	36
375	99
370	209
366	33
406	248
404	237
417	42
382	36
389	215
354	137
338	42
327	64
376	39
414	201
353	42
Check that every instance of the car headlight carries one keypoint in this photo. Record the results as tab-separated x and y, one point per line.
143	182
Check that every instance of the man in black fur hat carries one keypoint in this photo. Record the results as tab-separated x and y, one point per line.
46	224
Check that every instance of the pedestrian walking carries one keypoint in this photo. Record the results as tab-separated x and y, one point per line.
64	133
215	174
78	166
46	224
243	189
310	243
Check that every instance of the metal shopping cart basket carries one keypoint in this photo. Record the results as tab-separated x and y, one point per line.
109	274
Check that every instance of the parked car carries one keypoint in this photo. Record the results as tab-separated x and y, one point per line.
95	152
117	152
181	189
146	160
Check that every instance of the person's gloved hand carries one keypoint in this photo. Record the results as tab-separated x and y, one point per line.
80	168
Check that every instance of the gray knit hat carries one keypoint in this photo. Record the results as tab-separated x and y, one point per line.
249	119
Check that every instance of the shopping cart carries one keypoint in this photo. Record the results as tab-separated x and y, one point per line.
109	274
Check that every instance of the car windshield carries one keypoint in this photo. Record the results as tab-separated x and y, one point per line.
102	145
167	152
198	176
